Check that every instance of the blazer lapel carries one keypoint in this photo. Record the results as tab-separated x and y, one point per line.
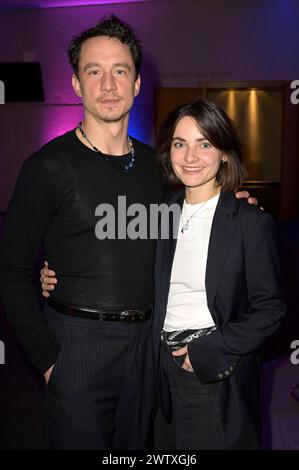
221	233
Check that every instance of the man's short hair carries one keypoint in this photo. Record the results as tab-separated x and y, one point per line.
111	27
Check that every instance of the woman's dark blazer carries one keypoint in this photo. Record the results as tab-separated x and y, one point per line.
245	301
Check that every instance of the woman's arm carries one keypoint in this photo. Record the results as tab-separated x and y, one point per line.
212	356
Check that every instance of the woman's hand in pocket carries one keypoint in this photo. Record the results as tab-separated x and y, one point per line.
186	364
47	374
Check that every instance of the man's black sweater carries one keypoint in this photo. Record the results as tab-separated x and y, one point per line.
54	203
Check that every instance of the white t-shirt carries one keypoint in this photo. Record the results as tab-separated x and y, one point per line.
187	300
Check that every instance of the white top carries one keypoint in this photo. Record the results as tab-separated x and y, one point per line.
187	300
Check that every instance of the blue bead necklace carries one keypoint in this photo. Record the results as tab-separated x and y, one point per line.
128	166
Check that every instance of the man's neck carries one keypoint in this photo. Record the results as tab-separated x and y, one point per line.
110	138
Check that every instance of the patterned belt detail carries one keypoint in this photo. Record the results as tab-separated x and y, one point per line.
174	340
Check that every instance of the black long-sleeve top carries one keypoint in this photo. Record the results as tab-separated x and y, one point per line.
54	203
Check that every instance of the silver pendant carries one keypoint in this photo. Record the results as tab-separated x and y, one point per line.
185	227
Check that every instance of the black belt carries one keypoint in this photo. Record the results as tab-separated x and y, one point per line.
130	315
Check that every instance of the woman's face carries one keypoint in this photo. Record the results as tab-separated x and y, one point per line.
194	159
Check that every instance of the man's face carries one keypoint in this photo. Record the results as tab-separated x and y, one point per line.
107	79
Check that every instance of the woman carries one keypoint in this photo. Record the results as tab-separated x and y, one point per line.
217	289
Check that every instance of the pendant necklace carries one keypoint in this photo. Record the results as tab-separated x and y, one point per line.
107	158
185	225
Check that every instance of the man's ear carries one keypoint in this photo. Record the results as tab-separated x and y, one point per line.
137	85
76	85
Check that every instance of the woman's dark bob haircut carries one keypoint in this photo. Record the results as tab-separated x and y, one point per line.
218	129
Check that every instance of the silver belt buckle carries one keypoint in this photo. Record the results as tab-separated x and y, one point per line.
132	315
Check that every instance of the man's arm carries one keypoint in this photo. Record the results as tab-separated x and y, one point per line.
48	279
27	220
245	195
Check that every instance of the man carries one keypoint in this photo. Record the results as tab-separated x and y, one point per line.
92	342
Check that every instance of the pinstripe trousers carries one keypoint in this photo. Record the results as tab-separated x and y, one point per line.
101	391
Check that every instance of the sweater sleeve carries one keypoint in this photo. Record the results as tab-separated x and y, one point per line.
28	217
